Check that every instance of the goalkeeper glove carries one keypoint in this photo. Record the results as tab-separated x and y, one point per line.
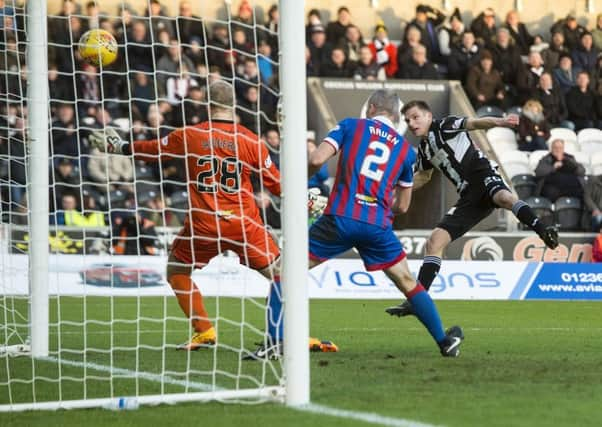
107	140
316	203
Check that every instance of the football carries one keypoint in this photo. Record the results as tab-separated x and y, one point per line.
98	47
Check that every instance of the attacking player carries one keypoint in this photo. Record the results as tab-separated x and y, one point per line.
373	182
446	145
219	157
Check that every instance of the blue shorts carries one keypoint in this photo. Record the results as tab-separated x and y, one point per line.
332	235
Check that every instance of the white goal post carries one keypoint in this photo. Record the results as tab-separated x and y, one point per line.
23	361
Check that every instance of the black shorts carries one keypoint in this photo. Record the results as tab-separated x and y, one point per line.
475	203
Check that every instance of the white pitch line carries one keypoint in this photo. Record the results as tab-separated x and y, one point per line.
367	417
147	376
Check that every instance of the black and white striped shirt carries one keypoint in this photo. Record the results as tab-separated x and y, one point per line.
449	148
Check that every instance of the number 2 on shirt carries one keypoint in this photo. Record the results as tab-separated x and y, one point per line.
380	155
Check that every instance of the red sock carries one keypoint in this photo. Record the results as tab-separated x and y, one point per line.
191	301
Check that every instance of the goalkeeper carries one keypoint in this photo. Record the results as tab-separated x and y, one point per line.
220	157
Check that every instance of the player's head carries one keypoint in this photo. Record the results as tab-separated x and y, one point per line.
418	116
384	102
221	98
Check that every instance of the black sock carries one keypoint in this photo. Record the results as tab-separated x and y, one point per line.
428	271
525	214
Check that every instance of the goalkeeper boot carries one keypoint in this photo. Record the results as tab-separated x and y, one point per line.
319	346
550	237
200	340
265	351
450	346
401	310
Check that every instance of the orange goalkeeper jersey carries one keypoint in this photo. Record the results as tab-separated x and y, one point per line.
219	157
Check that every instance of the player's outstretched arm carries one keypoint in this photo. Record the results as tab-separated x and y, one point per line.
108	140
485	123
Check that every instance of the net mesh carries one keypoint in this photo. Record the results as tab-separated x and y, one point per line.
114	321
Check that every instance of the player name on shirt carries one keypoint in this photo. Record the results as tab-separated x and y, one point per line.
393	139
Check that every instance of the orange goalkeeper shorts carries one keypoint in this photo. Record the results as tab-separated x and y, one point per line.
253	244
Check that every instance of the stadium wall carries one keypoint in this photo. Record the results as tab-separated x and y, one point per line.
537	15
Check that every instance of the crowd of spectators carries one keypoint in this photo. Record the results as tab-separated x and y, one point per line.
167	61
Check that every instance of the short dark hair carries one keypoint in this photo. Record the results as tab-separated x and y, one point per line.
421	105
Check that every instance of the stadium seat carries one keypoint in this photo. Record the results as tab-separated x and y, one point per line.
567	213
117	199
562	133
584	159
596	163
489	111
535	157
542	208
571	147
515	163
503	146
524	185
146	191
517	109
145	172
591	146
497	134
589	135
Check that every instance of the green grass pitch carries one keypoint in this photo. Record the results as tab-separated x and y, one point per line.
522	364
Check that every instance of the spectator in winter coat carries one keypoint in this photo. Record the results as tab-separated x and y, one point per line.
420	68
484	27
507	60
559	173
337	66
552	101
533	130
314	19
450	36
551	55
484	84
593	203
581	103
318	47
367	68
463	57
352	43
384	51
529	77
585	56
571	29
427	20
519	33
565	74
335	31
412	38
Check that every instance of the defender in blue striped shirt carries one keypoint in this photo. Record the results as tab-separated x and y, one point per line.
373	182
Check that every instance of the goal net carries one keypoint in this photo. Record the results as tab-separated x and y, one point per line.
87	316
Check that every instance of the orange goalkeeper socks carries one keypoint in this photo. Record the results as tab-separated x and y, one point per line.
191	301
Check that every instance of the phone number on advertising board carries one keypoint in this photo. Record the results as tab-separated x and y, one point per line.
581	277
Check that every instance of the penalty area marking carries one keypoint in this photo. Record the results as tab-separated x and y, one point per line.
367	417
